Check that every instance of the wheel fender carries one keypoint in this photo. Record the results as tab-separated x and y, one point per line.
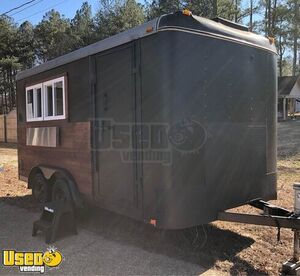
71	185
31	174
51	173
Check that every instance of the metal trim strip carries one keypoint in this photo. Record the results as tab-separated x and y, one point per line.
216	36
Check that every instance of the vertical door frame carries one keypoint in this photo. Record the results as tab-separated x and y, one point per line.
138	123
137	119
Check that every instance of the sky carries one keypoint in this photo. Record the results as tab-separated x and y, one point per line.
34	11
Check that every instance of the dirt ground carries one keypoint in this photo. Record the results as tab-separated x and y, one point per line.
227	247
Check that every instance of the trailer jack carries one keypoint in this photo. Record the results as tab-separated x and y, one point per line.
274	216
292	267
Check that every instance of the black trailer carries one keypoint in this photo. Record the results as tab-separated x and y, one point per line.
169	123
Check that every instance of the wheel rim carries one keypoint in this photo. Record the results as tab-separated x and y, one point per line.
59	195
40	192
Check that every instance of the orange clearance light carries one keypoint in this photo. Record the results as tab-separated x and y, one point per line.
271	40
149	29
153	222
187	12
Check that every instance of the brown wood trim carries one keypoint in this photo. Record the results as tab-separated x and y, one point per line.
65	74
49	123
73	154
66	82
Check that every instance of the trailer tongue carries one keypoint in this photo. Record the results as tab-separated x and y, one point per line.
274	216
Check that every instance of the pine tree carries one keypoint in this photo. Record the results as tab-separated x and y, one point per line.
53	36
83	27
9	63
25	45
120	16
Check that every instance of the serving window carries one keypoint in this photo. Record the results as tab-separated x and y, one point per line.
34	103
46	101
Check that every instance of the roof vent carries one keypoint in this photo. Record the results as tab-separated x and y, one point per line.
230	24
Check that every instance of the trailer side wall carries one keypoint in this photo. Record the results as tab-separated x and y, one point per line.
73	152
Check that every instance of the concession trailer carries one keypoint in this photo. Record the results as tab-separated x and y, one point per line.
171	122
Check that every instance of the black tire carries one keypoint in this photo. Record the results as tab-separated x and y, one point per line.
60	190
40	188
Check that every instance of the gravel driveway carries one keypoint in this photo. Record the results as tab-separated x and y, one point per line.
119	247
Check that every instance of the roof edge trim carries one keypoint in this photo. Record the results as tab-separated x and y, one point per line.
92	49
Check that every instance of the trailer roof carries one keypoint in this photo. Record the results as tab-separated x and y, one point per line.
216	28
289	86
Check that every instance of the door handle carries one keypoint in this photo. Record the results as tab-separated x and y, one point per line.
105	126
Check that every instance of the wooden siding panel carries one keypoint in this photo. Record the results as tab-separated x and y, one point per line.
73	153
11	128
2	134
8	124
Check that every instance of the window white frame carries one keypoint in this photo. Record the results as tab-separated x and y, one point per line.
44	101
52	83
34	89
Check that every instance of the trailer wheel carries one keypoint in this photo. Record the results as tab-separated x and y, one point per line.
40	188
60	190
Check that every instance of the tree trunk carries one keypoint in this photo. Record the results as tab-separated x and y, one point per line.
236	11
215	8
295	38
269	17
251	16
266	18
274	18
5	91
280	56
11	89
2	102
